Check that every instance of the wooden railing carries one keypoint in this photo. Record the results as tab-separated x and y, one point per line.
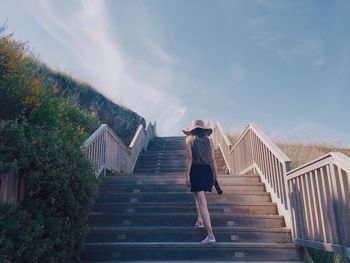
255	151
107	152
314	198
221	141
320	203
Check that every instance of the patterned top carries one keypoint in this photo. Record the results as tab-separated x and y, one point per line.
201	152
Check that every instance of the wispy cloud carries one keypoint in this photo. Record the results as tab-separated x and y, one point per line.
283	51
85	30
159	52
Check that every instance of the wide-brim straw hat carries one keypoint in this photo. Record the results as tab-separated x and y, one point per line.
197	124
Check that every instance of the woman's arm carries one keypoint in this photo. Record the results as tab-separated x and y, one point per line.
213	160
188	161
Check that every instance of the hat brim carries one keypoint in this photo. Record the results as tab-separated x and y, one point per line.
188	131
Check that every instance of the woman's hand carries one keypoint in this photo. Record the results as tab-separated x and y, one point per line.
187	181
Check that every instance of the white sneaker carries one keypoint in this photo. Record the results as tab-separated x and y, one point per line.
208	240
199	224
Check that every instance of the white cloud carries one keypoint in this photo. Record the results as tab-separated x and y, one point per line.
85	30
160	53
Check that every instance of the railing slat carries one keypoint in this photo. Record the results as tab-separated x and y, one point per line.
106	151
314	198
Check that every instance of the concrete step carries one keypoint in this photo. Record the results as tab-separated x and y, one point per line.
161	161
160	167
117	177
161	158
150	173
163	179
160	170
187	234
169	220
202	261
166	149
157	164
261	208
170	138
163	153
181	197
194	251
176	182
140	187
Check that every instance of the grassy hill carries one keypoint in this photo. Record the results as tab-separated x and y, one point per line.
123	121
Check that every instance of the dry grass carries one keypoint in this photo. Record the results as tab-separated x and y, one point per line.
301	153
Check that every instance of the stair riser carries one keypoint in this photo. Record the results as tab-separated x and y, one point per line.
179	180
207	252
188	208
188	235
165	151
160	167
157	173
153	156
154	166
107	179
182	198
181	221
162	146
149	156
161	162
112	189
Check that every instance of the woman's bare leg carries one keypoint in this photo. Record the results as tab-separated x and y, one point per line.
203	208
199	215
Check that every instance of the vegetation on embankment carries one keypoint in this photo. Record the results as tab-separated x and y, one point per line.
122	121
41	132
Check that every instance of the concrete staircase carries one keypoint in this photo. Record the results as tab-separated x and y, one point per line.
150	215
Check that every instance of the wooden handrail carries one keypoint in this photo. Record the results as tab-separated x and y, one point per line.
226	139
320	203
272	146
313	198
107	152
140	142
221	141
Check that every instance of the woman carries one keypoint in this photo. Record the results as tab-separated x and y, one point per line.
200	166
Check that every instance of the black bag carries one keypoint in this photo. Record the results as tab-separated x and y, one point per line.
217	187
216	183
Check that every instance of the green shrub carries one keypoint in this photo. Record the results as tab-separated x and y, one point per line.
324	256
60	186
19	235
40	138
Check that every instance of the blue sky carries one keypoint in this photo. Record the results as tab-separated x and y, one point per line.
284	65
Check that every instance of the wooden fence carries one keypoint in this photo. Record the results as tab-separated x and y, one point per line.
314	198
320	203
107	152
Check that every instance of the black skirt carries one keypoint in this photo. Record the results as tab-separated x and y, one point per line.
201	177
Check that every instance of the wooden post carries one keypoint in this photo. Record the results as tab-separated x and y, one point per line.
9	188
